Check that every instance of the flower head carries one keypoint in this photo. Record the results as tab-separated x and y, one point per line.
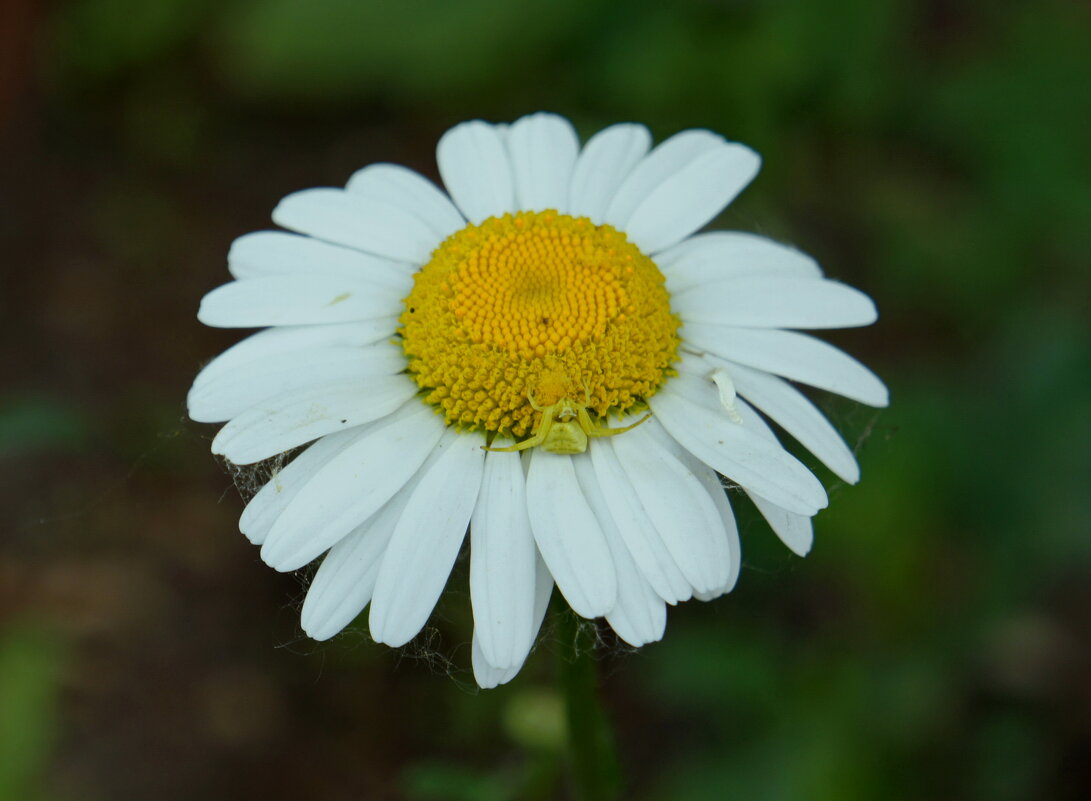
546	355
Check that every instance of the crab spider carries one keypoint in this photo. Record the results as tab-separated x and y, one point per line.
565	428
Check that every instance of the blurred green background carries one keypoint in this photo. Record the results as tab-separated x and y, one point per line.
935	645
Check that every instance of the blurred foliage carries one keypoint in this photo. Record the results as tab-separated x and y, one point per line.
102	39
934	645
330	50
31	659
40	423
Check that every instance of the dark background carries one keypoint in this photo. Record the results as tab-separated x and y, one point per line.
935	645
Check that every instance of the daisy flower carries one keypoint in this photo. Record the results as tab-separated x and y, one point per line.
547	356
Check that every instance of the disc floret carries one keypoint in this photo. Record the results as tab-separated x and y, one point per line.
518	315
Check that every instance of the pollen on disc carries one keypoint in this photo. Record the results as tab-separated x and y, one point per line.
536	305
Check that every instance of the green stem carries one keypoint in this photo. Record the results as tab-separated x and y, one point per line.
591	751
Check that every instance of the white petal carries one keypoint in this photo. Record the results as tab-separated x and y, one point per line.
297	300
426	540
639	616
605	161
720	255
489	676
410	192
355	221
774	301
345	581
264	508
788	407
502	562
475	169
568	535
737	452
276	342
297	417
543	150
265	253
710	480
637	531
795	531
352	486
691	197
664	161
263	380
792	355
679	507
716	491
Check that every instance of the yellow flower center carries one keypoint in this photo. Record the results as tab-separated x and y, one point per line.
532	308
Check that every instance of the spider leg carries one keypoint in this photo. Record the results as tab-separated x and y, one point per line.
539	436
533	404
586	395
604	431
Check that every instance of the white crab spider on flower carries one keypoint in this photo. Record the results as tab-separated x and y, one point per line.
425	344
